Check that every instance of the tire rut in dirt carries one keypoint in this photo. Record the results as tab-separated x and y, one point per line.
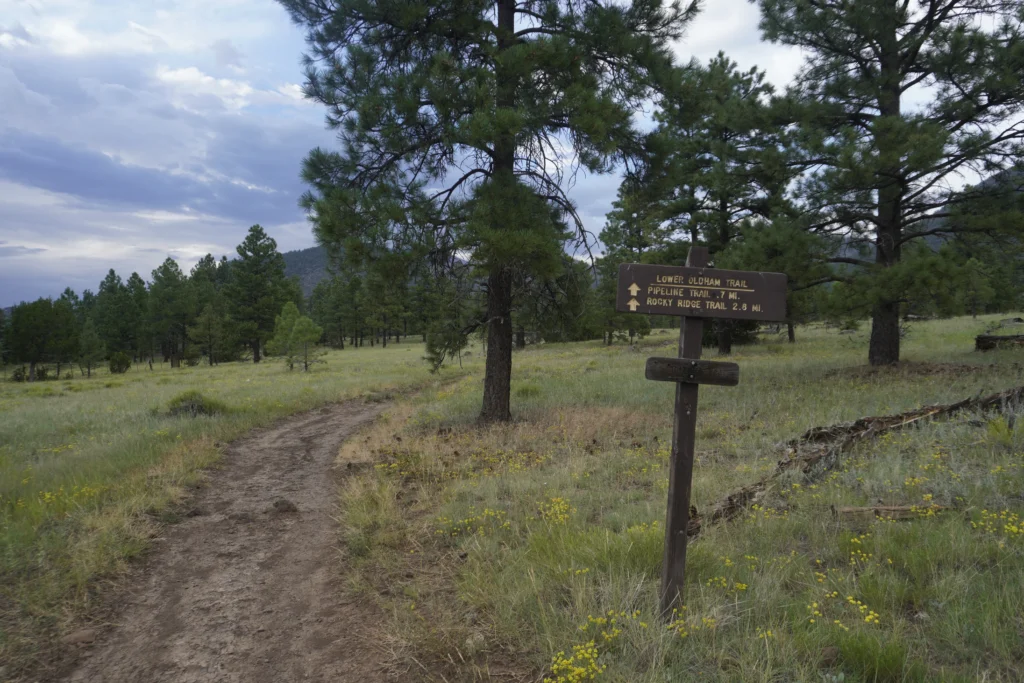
248	590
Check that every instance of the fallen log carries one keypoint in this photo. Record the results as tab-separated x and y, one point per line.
821	447
990	342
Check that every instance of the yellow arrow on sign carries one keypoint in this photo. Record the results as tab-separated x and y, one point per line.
633	305
634	289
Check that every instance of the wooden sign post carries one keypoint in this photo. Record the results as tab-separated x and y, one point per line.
693	292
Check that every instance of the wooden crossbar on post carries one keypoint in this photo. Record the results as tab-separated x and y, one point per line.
693	371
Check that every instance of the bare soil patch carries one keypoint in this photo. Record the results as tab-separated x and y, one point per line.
247	589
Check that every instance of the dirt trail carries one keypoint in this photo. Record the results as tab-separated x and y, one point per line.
243	591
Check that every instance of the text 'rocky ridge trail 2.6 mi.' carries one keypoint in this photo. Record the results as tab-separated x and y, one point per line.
701	292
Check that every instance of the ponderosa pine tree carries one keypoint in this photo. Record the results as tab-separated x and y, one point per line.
63	343
171	309
30	331
91	351
138	317
718	161
258	289
458	120
305	341
904	98
281	343
113	315
209	333
72	299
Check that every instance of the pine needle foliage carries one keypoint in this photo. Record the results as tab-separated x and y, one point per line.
904	101
461	123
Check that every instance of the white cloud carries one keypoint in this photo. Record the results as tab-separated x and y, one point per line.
190	81
731	26
168	216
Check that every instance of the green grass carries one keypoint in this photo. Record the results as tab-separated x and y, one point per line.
89	468
509	548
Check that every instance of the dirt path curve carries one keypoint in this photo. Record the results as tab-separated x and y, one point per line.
244	592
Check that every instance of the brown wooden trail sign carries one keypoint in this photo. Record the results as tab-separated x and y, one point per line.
694	292
701	292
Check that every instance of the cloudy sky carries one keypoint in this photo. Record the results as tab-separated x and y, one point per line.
133	130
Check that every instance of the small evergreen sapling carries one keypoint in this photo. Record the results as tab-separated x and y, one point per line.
296	338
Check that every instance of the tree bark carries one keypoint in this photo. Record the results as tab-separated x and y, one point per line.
724	337
520	337
498	364
255	351
32	371
884	345
791	330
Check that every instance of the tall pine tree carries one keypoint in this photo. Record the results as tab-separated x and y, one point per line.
171	309
718	161
258	289
459	120
903	98
112	314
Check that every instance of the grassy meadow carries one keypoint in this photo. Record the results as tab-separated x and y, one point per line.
532	551
90	469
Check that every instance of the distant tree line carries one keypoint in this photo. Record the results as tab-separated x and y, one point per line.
222	311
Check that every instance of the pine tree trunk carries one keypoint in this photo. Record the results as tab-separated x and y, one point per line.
32	371
791	330
498	366
255	351
884	345
724	337
520	337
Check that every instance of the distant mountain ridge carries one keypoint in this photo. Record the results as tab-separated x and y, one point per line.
308	265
